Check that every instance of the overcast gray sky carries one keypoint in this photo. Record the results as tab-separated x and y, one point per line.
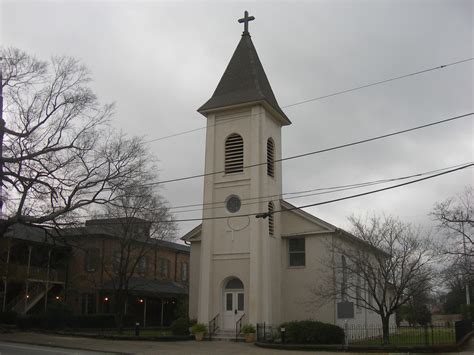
159	61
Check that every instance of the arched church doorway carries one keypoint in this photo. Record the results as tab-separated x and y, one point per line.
233	302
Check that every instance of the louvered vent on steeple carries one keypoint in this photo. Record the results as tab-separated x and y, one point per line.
234	154
270	157
271	223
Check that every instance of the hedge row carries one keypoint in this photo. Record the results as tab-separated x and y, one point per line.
8	317
313	332
59	321
181	326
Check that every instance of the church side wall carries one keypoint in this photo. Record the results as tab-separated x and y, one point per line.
194	270
298	300
362	316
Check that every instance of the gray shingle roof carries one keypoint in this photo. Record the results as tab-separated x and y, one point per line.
243	81
35	235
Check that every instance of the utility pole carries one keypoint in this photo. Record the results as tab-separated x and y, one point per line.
466	260
2	132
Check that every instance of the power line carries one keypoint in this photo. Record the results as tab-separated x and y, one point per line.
318	203
379	82
302	193
318	151
334	200
326	96
310	192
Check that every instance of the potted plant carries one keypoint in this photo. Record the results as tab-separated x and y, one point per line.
199	330
249	332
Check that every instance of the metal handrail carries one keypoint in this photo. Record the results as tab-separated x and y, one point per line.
213	326
238	327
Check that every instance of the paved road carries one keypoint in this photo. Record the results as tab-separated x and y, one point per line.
46	341
25	349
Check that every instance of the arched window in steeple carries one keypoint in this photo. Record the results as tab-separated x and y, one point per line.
270	158
271	223
234	154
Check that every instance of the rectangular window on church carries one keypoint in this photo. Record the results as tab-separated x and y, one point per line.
296	251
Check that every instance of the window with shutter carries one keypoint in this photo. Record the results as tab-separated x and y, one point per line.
271	227
234	154
270	158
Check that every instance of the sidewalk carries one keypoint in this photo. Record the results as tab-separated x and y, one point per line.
162	348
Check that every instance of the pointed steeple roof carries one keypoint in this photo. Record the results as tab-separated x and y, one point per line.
244	81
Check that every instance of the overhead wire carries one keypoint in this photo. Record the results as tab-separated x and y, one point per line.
316	203
306	193
345	145
325	96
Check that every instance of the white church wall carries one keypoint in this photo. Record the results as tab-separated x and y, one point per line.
241	246
294	224
226	267
194	267
298	300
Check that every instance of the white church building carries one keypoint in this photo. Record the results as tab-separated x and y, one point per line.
255	258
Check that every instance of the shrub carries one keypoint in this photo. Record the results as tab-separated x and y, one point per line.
180	326
467	311
8	317
25	322
54	319
198	328
56	316
248	328
98	321
313	332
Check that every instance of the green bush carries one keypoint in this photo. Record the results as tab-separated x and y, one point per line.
98	321
198	328
467	311
180	326
25	322
8	317
248	329
55	319
313	332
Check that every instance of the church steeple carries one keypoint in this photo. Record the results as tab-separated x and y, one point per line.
244	81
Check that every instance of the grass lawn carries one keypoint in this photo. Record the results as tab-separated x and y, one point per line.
414	336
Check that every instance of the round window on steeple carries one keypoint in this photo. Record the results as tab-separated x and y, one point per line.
233	204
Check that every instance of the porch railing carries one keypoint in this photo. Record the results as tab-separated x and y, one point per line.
213	326
238	327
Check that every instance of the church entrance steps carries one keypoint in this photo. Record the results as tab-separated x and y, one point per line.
227	335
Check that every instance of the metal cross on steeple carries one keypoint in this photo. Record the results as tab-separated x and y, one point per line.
246	19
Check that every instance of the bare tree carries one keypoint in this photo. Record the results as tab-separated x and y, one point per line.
59	154
455	217
384	267
138	218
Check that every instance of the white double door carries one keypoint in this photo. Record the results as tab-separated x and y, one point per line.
233	308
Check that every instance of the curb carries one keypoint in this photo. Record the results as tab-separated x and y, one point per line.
118	337
61	346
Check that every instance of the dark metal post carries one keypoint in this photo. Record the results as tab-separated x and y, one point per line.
2	132
137	329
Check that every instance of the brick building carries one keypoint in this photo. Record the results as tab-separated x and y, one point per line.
84	267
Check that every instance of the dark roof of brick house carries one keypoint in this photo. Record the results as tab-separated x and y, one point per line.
151	287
